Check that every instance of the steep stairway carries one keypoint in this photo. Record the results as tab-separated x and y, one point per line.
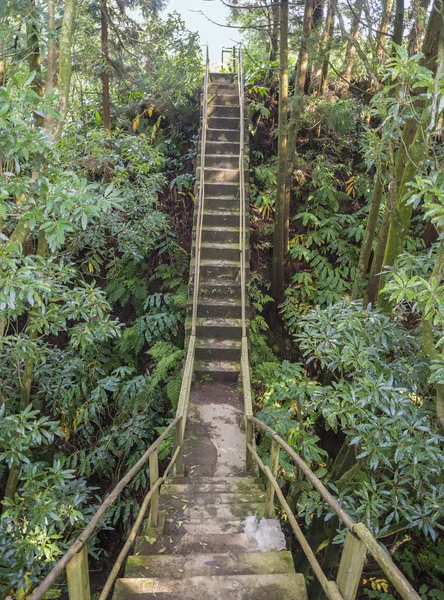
218	331
201	550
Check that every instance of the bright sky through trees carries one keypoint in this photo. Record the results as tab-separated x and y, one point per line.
216	36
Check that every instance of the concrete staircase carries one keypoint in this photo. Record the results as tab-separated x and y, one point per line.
218	331
201	550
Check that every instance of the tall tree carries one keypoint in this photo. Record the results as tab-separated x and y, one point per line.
281	227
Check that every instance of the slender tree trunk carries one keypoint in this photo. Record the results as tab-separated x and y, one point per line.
318	68
51	73
330	28
413	149
105	69
281	241
418	30
381	34
33	48
427	335
369	235
65	60
2	62
398	25
350	53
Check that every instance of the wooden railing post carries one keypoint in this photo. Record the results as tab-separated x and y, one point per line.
350	567
249	434
269	496
78	576
179	466
154	476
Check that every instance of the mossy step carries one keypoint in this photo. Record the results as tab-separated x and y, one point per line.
220	234
213	349
220	110
197	498
219	328
179	566
224	100
190	544
203	526
224	87
219	288
223	122
222	77
226	161
183	509
276	586
212	485
214	218
218	175
220	189
219	251
223	135
217	370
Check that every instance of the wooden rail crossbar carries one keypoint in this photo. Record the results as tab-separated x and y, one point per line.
75	560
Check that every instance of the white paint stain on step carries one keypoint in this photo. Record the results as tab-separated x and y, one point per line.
267	532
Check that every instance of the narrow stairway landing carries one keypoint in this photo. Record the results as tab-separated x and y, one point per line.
202	552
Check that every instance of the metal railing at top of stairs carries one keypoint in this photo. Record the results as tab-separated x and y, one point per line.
359	539
75	559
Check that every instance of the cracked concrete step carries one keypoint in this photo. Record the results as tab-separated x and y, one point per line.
207	349
218	175
217	370
221	234
189	565
276	586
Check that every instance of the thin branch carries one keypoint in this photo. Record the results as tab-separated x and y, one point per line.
256	27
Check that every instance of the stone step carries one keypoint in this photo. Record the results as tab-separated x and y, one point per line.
238	484
220	512
209	349
217	288
198	498
217	370
220	148
220	251
219	308
221	234
275	586
227	161
223	122
219	329
178	566
217	175
221	189
209	526
224	99
223	135
213	218
224	88
222	204
191	544
223	77
215	110
215	268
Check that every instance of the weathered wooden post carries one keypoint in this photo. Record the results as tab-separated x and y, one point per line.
77	572
154	476
351	565
269	496
249	434
179	466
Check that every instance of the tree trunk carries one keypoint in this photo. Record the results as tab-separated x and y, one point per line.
105	68
2	62
381	34
330	28
427	335
321	65
350	53
65	66
398	25
281	239
418	30
51	73
412	151
369	235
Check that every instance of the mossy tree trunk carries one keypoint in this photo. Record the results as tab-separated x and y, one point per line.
281	235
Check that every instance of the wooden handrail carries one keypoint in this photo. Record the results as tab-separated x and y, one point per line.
76	546
358	530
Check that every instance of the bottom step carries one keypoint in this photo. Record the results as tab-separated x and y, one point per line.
236	587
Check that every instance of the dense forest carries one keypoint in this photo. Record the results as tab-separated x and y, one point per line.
99	122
